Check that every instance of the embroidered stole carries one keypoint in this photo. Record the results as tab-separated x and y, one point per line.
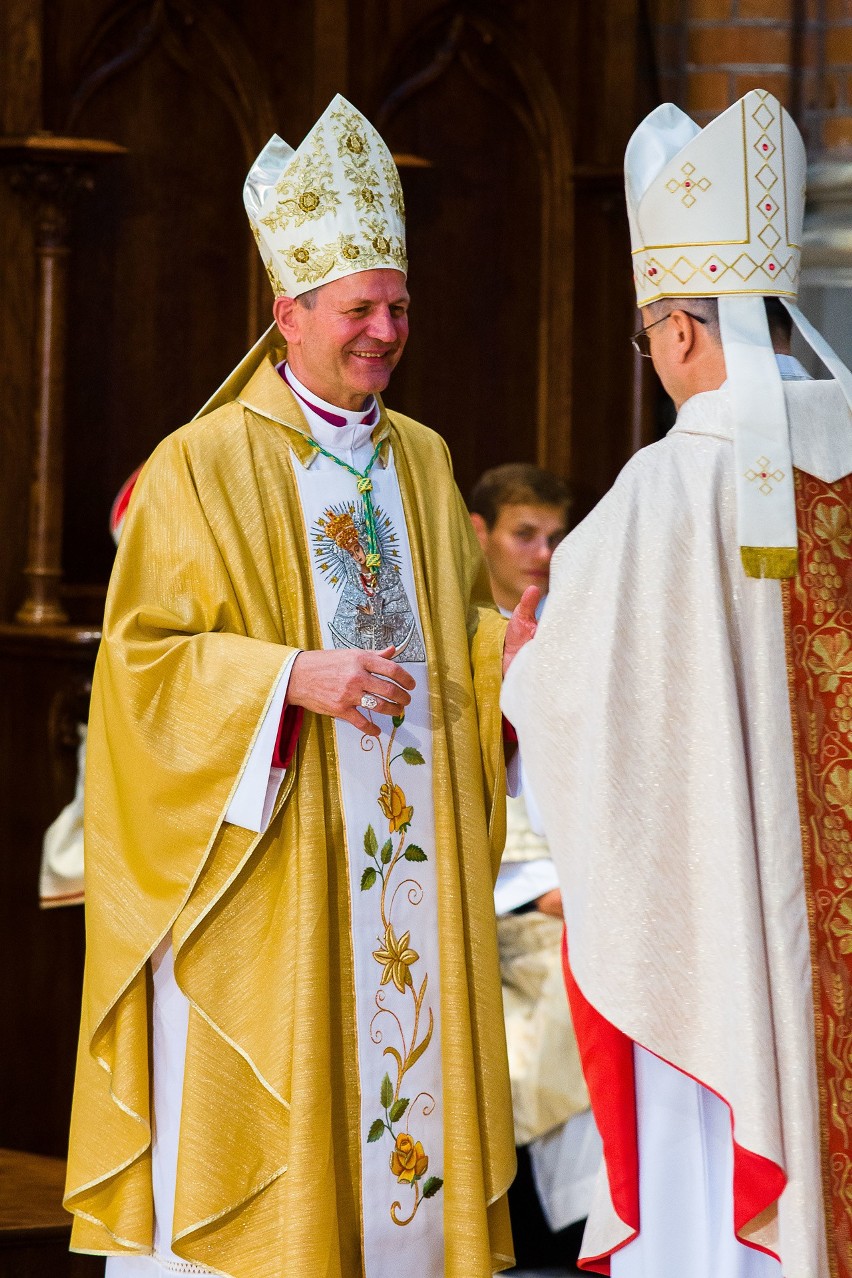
818	617
386	797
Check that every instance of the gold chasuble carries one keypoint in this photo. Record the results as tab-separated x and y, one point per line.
212	592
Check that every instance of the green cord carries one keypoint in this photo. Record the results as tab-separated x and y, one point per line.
365	488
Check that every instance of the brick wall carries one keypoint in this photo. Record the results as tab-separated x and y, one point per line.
711	52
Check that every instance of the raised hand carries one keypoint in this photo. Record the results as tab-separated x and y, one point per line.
333	681
551	903
522	625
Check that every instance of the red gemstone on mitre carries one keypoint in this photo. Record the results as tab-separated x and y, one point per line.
768	207
687	184
712	268
763	474
772	266
652	270
766	146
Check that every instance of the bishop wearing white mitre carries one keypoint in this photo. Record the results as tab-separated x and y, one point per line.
684	719
292	1057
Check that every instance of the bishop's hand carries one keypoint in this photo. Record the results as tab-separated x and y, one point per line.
339	681
522	625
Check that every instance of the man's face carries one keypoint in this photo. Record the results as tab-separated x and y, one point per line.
519	548
346	347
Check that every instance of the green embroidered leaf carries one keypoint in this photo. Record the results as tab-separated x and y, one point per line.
398	720
414	853
412	756
376	1131
386	1094
370	841
431	1187
368	878
398	1108
386	852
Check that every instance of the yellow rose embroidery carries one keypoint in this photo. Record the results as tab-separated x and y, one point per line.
408	1161
829	658
393	805
397	958
831	525
413	1020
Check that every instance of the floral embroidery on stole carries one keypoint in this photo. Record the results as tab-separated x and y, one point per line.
818	616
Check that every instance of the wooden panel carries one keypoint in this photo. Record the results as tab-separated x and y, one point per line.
34	1228
20	65
485	224
479	227
41	951
164	273
604	434
20	112
565	390
31	1187
331	52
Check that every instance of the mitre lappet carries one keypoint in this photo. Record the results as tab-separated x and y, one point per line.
718	212
329	208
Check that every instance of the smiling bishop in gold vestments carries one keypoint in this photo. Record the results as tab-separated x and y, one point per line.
298	946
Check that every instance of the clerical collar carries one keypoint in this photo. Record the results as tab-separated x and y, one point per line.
331	413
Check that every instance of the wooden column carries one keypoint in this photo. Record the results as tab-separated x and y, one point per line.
51	170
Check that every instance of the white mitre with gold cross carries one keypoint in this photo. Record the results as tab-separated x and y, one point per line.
330	208
718	212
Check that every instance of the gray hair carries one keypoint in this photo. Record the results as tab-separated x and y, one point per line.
777	315
309	298
706	308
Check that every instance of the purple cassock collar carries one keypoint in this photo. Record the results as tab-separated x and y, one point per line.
369	418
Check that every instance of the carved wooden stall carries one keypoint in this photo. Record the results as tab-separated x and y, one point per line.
122	309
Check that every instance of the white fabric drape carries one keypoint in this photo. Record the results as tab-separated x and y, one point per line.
565	1166
254	798
170	1022
653	715
686	1200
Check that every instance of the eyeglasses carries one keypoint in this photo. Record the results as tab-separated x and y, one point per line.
642	343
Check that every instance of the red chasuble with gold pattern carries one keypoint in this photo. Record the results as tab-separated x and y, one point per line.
818	612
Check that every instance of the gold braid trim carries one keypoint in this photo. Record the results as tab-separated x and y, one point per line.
769	561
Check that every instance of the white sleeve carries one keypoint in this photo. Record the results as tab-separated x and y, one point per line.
254	798
514	776
533	813
518	784
520	882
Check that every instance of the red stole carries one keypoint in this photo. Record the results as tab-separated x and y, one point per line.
818	617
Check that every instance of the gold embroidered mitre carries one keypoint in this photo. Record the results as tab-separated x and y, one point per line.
330	208
718	210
